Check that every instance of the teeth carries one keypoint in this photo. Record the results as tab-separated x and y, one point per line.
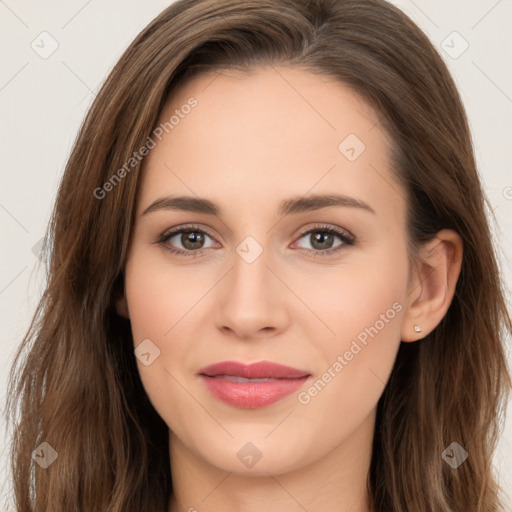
241	379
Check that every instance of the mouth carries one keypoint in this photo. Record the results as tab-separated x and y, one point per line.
252	386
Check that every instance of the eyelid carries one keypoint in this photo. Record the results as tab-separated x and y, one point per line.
345	236
169	233
328	228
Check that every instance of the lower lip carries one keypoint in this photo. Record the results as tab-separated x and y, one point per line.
252	395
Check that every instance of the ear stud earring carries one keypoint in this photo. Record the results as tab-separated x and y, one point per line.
417	328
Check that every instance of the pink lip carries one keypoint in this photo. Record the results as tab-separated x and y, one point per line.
283	380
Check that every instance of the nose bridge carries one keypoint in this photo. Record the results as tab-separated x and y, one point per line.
250	277
250	298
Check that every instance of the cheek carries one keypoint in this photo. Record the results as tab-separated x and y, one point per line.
368	289
160	295
363	308
164	300
159	300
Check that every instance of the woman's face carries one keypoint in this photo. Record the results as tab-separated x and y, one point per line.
280	269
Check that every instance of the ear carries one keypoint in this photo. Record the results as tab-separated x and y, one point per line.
432	284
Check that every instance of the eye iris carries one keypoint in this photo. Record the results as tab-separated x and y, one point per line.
322	238
192	239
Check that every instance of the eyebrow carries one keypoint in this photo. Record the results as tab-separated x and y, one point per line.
286	207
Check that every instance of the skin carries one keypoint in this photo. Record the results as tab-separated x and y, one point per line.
253	140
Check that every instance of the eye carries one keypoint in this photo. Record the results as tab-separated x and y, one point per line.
321	239
189	240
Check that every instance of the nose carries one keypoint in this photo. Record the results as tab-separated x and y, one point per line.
252	299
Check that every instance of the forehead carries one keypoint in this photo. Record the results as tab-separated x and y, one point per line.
271	131
277	97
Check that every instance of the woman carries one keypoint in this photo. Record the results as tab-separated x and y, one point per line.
190	353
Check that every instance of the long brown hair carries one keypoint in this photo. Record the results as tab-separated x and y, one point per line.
75	384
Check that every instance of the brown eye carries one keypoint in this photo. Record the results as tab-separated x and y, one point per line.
192	240
186	240
322	240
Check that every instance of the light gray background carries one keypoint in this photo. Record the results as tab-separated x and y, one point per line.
43	101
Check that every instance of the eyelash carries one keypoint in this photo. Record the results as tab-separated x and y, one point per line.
344	236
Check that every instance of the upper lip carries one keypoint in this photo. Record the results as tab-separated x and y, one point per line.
259	370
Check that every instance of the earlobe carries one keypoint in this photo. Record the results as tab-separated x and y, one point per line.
433	286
